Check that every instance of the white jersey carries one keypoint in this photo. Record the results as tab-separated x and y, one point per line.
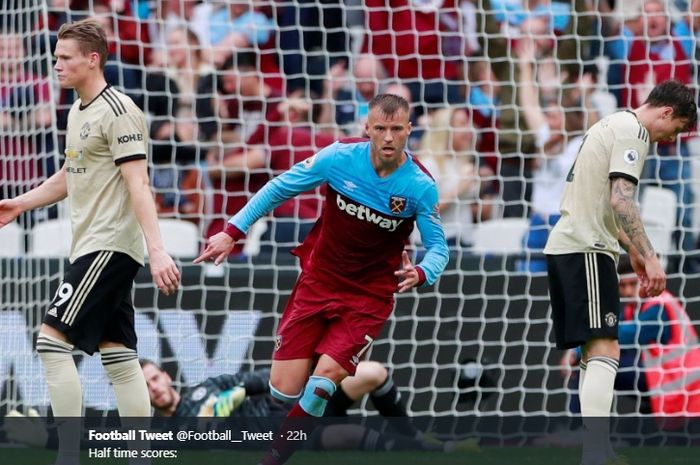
616	146
101	135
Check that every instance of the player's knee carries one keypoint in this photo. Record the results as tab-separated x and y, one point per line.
332	371
281	395
372	374
317	393
53	351
605	347
121	364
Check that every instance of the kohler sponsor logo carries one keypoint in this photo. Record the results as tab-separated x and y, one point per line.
129	138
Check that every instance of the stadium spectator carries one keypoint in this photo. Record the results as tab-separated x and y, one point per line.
375	191
243	101
558	136
515	146
235	25
26	144
598	209
482	97
280	142
409	39
170	102
447	152
312	39
117	71
166	15
348	107
231	101
105	176
289	142
651	331
131	40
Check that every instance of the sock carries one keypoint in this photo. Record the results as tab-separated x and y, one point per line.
312	404
133	402
596	401
387	400
65	393
127	378
598	386
338	405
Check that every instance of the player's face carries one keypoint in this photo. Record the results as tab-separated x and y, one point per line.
72	67
160	387
666	129
387	134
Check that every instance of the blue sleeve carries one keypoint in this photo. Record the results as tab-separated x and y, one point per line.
618	49
646	327
301	177
256	26
432	236
682	32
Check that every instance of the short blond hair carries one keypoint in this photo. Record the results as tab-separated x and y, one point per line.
90	36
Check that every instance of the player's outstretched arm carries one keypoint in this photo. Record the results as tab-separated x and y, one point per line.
218	248
49	192
653	281
165	273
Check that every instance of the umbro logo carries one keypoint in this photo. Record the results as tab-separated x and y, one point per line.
349	185
52	312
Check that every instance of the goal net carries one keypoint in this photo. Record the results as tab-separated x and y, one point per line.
477	343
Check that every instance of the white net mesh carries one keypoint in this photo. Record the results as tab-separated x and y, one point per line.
492	120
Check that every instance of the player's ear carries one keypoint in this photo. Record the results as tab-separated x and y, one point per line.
94	59
667	112
410	127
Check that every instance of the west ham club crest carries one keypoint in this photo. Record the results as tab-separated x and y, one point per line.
397	204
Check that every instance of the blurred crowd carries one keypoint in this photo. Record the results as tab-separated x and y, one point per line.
237	91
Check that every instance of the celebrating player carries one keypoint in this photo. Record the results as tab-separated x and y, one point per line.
598	215
106	180
350	261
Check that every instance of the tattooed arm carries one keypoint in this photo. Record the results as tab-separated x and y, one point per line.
634	239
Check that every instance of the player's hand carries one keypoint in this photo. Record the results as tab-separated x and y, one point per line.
653	282
568	360
10	209
408	274
218	248
165	273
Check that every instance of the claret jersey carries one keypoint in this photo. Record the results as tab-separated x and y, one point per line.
366	221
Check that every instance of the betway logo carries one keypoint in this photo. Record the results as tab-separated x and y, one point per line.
363	213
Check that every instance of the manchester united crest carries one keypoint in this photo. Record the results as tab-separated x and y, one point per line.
397	204
85	131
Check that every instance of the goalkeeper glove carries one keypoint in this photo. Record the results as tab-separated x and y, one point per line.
228	401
